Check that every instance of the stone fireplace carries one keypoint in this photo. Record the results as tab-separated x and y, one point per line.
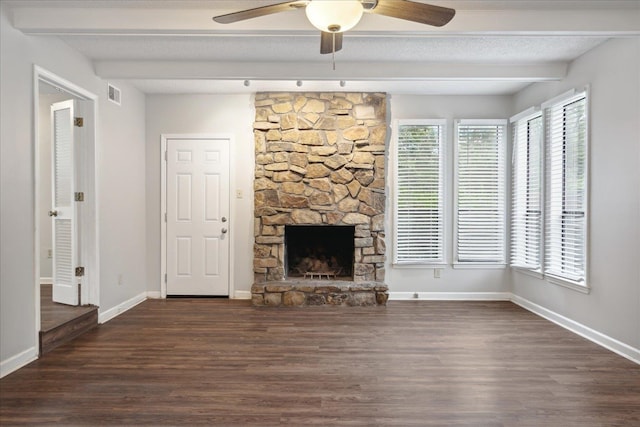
319	199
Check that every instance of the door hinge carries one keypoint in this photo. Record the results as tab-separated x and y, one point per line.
78	122
165	156
165	277
79	196
79	271
165	217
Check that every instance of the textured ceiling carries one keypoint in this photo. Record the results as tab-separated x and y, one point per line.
491	46
487	49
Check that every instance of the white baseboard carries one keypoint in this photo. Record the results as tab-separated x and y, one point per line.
18	361
599	338
450	296
154	294
107	315
242	295
46	280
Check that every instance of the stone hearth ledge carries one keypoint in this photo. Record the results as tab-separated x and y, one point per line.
299	293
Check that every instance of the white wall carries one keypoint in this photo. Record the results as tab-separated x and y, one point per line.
235	114
412	279
121	192
613	307
121	176
211	114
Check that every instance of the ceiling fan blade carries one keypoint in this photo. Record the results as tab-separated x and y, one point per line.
326	42
259	11
421	13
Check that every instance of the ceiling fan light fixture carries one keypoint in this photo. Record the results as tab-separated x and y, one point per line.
334	16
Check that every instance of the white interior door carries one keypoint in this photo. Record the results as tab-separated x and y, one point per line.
63	212
198	217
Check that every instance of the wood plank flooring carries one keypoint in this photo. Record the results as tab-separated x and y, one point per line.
53	314
60	323
423	363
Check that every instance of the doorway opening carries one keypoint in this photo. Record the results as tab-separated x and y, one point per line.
52	166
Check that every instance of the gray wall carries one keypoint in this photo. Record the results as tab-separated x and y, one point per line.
412	279
204	114
613	306
121	186
234	114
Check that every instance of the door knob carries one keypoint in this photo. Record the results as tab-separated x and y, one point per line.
224	231
224	219
53	213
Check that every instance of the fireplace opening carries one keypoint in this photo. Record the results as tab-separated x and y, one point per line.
319	251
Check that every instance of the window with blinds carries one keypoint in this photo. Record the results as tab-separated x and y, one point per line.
480	192
419	214
526	193
566	189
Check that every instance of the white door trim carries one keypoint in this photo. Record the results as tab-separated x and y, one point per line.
163	204
90	291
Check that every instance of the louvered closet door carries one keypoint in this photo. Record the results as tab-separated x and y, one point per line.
63	215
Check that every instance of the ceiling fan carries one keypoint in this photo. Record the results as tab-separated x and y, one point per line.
334	17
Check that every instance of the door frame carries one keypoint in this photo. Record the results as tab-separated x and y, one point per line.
88	218
163	203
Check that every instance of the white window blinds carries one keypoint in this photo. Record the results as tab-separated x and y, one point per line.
566	189
480	192
526	180
419	221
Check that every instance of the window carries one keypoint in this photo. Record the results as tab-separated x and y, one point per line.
526	180
480	192
419	214
566	189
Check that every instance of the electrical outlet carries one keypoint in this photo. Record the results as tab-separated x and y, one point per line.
239	194
436	273
49	253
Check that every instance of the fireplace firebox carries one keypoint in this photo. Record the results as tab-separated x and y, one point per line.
319	251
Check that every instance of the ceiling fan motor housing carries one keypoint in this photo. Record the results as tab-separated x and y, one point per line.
334	16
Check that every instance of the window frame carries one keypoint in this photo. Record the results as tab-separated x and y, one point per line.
443	158
503	263
526	117
564	100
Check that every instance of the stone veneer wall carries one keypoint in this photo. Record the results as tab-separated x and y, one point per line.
320	159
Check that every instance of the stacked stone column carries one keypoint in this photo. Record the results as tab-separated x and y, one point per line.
320	159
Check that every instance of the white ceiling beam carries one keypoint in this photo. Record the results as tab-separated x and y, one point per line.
93	20
354	71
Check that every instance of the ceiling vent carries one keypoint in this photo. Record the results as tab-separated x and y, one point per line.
114	93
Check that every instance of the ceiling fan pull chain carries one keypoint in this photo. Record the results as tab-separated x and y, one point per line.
333	51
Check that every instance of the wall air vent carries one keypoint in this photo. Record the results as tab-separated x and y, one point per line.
114	93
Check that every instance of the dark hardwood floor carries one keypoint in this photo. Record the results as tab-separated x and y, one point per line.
53	314
221	362
60	323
